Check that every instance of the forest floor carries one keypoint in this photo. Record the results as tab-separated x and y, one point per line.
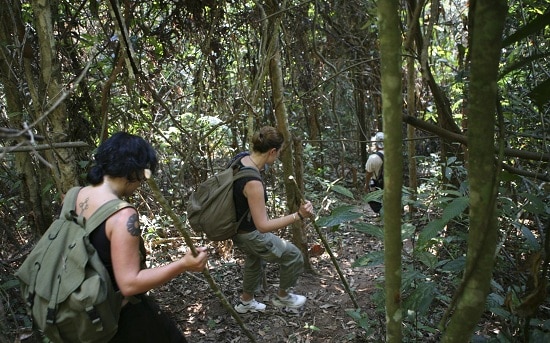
203	318
324	318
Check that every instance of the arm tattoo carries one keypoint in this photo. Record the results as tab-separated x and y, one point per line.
133	225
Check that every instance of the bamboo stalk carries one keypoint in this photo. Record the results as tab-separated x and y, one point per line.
187	237
327	248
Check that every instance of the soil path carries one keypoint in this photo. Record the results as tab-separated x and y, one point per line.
203	318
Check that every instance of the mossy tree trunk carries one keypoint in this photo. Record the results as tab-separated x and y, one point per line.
470	300
392	105
52	93
277	89
14	65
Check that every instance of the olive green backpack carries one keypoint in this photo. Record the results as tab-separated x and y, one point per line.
66	287
211	209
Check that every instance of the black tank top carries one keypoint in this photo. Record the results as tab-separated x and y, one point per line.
241	202
102	244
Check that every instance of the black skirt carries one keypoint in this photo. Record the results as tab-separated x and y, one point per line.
143	321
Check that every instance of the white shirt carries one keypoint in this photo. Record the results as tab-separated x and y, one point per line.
374	163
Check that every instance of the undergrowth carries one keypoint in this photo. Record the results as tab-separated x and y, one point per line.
434	233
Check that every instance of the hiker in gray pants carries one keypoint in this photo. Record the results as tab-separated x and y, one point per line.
255	237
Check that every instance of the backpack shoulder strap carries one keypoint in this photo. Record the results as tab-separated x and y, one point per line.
105	211
69	202
381	171
241	171
237	158
246	172
99	216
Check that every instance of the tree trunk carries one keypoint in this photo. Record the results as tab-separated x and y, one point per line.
277	88
392	103
411	102
307	68
62	161
470	299
12	69
360	97
443	106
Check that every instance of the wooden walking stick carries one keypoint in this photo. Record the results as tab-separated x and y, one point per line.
179	225
327	248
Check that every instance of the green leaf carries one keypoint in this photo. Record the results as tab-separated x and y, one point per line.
410	277
421	298
9	284
340	215
529	237
455	208
373	230
532	27
434	227
494	300
454	266
427	258
342	190
540	336
535	205
362	319
508	177
431	231
354	314
407	231
451	160
448	173
83	164
375	258
374	196
501	312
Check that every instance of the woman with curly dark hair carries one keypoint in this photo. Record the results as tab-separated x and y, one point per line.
121	164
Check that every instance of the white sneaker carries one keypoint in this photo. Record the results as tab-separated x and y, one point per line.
249	306
291	300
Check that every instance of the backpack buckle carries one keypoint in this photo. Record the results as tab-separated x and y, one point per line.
30	299
93	315
50	316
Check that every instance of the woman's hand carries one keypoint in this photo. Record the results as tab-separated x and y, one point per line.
195	263
306	210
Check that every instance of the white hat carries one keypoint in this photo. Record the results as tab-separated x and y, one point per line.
379	137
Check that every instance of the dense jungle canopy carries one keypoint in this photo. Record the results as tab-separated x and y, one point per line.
460	88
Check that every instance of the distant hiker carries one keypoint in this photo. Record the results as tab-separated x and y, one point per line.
374	177
255	237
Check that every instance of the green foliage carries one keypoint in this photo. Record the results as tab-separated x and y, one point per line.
438	233
538	330
422	294
451	210
311	327
363	320
202	84
370	259
376	231
340	215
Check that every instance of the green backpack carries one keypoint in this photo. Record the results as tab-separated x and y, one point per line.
211	209
66	287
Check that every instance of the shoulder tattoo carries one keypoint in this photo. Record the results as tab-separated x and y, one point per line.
133	225
83	205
